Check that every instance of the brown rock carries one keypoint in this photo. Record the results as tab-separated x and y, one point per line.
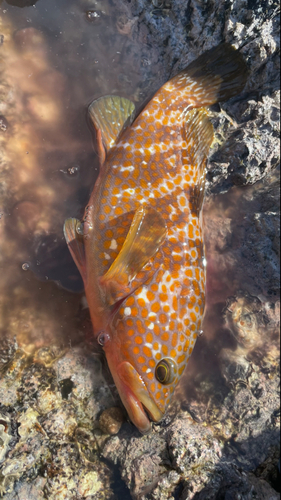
111	420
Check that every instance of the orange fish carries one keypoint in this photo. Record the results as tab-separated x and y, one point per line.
140	246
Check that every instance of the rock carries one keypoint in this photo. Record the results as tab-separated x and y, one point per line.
141	460
219	438
22	3
47	428
111	420
233	484
5	435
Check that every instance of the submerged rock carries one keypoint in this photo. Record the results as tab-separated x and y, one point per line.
48	444
58	411
111	420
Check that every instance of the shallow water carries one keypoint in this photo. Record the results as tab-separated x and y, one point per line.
57	58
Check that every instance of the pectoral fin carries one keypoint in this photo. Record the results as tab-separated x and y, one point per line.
146	234
111	115
73	233
198	134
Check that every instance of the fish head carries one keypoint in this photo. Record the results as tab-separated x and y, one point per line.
144	376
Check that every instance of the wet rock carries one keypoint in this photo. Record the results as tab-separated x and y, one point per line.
111	420
242	232
156	464
11	381
27	491
231	484
141	460
269	470
5	435
47	429
224	421
251	150
21	3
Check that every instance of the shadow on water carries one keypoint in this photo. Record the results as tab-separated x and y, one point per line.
57	58
234	482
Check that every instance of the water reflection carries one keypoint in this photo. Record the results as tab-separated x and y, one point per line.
241	324
57	59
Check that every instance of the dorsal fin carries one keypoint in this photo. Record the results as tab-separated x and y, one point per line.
111	114
146	234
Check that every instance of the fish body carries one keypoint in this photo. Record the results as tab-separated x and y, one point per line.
140	248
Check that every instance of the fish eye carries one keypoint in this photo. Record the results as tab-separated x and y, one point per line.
166	371
102	338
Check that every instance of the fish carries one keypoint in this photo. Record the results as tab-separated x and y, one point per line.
139	247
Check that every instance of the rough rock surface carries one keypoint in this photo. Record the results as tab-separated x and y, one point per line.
219	439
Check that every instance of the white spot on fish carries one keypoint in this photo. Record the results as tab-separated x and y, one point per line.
147	344
142	294
113	245
106	256
130	168
127	311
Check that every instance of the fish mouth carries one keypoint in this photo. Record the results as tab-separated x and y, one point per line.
136	398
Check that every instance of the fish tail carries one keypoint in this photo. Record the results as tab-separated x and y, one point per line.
217	75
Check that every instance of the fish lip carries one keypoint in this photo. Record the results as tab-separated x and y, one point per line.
136	397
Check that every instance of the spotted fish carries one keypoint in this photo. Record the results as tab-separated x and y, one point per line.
140	246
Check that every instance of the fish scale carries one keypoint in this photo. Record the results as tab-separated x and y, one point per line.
141	252
175	284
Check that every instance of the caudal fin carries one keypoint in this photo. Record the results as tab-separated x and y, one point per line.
217	75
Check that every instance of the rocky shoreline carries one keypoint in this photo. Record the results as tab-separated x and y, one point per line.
59	436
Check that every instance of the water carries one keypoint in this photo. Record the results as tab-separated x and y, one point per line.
57	58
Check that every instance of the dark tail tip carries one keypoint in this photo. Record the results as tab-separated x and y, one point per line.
225	62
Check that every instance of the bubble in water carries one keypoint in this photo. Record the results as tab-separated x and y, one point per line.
3	124
73	171
80	228
92	15
145	62
25	266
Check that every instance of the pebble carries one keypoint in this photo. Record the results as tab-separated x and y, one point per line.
111	420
